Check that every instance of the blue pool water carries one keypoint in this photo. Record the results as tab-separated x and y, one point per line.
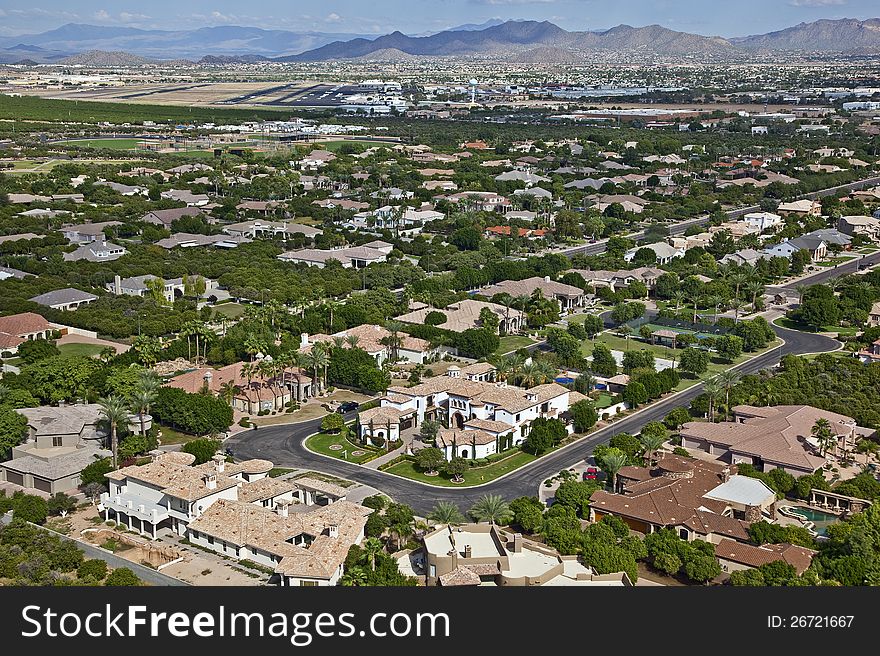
564	380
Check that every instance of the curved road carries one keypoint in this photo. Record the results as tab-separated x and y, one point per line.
283	445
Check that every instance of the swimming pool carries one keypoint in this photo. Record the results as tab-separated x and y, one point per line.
820	519
564	380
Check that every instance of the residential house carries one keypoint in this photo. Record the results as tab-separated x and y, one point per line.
164	218
252	390
800	208
662	251
315	160
480	201
698	500
772	437
9	272
140	285
616	280
507	231
737	556
484	554
483	417
874	315
273	229
190	240
16	329
96	251
861	226
762	221
86	233
352	257
463	315
569	297
64	299
186	196
60	442
370	338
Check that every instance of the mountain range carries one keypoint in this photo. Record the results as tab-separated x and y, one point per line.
521	40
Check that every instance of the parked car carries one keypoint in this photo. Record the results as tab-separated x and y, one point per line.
348	406
592	474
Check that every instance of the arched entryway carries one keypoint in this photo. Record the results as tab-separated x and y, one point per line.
463	453
456	421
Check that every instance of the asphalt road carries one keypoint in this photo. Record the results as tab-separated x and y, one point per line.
679	228
828	273
283	445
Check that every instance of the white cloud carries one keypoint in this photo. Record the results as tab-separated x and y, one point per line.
101	15
817	3
333	18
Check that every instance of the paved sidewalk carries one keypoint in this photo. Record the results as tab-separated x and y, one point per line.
375	463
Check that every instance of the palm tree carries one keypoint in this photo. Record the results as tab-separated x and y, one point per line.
679	298
821	430
401	531
715	302
736	304
140	403
651	443
393	340
801	290
228	391
502	366
546	372
446	512
529	375
728	378
712	388
755	288
354	577
491	508
372	548
626	331
352	340
114	411
316	360
613	462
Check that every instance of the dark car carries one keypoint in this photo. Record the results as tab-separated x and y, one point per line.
228	451
348	406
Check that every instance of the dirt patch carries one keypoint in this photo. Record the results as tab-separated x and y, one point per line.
135	549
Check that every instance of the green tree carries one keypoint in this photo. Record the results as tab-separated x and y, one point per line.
203	449
455	468
584	415
693	361
332	423
122	576
114	412
528	513
491	508
603	362
446	512
430	459
30	508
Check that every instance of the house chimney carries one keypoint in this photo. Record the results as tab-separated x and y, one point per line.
725	474
219	463
117	284
517	542
468	551
282	508
546	278
211	481
333	530
303	340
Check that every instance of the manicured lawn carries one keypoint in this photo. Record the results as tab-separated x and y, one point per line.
75	349
716	364
513	343
275	472
321	443
473	476
171	436
334	146
229	310
114	144
605	400
835	261
868	249
785	322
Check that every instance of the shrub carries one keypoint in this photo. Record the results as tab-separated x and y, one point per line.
95	570
122	577
203	449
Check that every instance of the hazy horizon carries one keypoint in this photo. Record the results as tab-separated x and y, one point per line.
421	16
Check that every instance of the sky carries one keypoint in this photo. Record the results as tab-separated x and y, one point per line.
708	17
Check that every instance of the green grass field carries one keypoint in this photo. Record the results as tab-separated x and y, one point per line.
229	310
785	322
321	443
473	476
32	108
171	436
716	365
334	146
74	349
513	343
605	400
112	144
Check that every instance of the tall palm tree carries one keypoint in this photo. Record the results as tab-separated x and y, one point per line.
113	410
679	298
651	443
612	463
529	375
446	512
502	366
372	547
228	391
821	430
140	403
712	388
546	372
354	577
317	360
352	340
715	301
491	508
755	288
729	378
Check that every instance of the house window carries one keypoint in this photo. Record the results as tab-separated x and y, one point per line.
432	570
57	440
210	540
683	533
308	584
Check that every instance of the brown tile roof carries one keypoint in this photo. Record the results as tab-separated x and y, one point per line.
25	323
459	576
746	554
526	287
487	425
513	399
307	482
774	434
264	488
449	436
664	500
246	524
